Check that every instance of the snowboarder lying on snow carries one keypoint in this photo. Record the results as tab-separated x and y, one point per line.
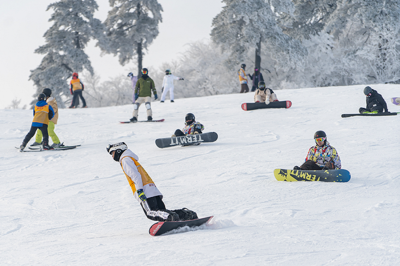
375	102
264	94
321	156
192	127
143	187
42	113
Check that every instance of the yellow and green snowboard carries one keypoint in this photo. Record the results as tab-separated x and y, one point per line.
340	175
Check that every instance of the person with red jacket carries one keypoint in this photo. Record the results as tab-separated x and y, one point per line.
76	90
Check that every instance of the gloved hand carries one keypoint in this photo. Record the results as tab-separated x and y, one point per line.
155	96
328	165
266	102
136	96
181	79
141	195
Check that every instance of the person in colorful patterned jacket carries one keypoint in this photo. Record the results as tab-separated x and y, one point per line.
192	127
321	156
39	136
264	95
243	79
76	90
143	187
42	113
144	87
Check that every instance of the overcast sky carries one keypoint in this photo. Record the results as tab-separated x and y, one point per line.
24	22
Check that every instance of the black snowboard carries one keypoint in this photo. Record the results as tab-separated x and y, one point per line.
340	175
378	114
128	122
195	139
254	106
161	228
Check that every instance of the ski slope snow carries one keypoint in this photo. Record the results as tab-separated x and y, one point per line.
75	207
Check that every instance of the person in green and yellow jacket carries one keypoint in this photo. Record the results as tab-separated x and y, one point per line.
53	103
144	87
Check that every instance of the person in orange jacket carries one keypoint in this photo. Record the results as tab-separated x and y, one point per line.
76	90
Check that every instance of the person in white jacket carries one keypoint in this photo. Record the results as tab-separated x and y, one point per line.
134	79
143	187
168	85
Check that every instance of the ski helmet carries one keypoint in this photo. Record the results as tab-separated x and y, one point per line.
119	148
319	134
75	75
367	90
145	71
243	66
130	74
261	85
42	97
47	92
167	72
189	118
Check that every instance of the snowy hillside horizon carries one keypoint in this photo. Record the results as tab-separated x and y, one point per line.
75	207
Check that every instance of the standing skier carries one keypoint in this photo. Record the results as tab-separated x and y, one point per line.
168	85
256	78
143	187
76	89
375	102
143	88
243	79
265	95
134	79
192	127
39	135
42	113
321	156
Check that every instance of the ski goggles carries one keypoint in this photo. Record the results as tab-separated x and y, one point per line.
144	72
320	139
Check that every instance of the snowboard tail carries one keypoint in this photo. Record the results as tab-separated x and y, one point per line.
340	175
378	114
187	140
254	106
161	228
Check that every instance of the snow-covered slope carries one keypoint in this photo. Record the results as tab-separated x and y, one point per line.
76	208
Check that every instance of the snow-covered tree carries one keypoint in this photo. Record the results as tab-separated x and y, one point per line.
73	27
243	25
131	25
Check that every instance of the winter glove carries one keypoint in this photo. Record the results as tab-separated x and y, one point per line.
266	102
155	96
136	96
141	195
328	165
181	79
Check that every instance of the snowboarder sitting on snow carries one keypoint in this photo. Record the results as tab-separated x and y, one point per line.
42	113
144	87
264	94
53	103
192	127
143	187
375	102
321	156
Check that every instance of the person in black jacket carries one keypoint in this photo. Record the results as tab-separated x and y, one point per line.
375	102
256	78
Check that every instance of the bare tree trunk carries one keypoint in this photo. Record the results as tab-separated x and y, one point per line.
140	58
258	55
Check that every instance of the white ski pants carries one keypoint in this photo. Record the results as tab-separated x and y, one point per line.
171	93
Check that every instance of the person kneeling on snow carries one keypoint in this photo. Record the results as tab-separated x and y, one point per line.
143	187
321	156
192	127
375	102
265	95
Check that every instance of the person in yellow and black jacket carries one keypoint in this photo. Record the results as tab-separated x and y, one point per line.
76	89
143	187
144	87
42	113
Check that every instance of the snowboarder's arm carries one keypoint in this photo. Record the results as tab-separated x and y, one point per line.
137	87
153	88
336	159
51	112
176	78
310	155
261	77
130	170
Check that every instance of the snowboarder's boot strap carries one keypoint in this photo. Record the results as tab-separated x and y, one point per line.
186	214
133	119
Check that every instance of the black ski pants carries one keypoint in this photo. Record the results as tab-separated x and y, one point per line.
310	165
75	99
156	204
32	132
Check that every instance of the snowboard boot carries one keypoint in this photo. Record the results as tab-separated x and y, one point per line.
172	101
161	101
296	168
58	145
149	118
186	214
22	147
173	216
35	144
47	147
133	120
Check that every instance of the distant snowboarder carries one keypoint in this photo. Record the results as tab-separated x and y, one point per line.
168	85
264	95
321	156
76	90
192	127
143	88
375	102
134	79
143	187
42	113
256	78
243	79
